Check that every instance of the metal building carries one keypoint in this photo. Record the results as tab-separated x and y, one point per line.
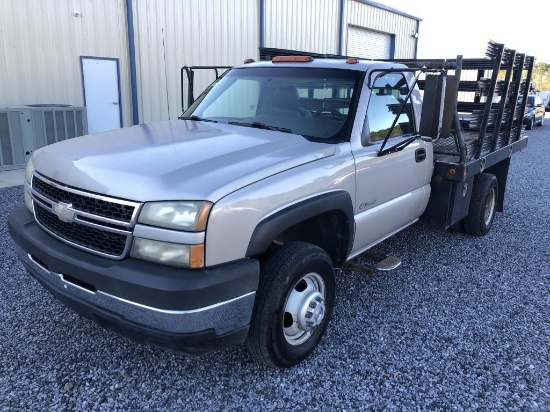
94	65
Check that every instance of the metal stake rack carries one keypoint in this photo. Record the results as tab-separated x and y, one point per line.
490	97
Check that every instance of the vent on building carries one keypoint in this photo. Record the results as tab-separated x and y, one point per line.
25	129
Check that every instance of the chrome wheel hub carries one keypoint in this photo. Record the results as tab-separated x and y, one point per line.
312	311
304	309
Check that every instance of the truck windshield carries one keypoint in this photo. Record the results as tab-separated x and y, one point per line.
316	103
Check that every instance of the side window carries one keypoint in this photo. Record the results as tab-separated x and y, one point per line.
387	96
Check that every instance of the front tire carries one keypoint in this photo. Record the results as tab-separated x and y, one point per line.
293	305
482	205
530	124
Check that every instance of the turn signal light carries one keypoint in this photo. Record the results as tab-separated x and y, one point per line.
293	59
452	172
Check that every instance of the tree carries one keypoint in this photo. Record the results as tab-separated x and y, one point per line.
541	76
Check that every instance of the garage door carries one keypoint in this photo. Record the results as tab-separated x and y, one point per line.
368	44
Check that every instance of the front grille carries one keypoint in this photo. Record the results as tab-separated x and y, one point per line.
87	237
83	203
98	224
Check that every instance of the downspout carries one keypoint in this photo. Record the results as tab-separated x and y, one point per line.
341	30
132	52
262	23
416	40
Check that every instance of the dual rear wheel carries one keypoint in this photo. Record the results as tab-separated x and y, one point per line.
482	205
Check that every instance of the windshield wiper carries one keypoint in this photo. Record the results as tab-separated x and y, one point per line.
199	119
259	125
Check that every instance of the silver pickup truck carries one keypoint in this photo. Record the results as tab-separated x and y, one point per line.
225	227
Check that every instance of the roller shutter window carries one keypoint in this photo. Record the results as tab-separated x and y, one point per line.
368	44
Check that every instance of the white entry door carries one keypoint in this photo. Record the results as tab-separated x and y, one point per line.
101	93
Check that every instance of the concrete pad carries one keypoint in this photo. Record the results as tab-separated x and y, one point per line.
10	178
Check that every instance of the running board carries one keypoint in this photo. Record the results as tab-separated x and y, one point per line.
371	262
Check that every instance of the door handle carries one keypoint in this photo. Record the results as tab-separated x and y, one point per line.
115	103
420	155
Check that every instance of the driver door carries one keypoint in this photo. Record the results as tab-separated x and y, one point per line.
391	190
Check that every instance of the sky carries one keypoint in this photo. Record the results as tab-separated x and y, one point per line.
464	27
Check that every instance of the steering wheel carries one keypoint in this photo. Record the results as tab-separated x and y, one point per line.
329	113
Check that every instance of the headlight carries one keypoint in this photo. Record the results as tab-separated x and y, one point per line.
29	170
191	256
190	216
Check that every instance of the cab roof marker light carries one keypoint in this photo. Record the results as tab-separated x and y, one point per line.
352	60
292	59
249	61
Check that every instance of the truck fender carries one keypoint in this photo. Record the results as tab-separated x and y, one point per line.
269	228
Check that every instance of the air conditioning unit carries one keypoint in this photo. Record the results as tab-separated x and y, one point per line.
27	128
12	152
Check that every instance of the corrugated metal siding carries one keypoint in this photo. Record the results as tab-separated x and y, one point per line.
374	18
41	42
174	33
311	25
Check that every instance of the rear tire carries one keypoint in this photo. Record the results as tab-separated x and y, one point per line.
541	121
482	205
293	305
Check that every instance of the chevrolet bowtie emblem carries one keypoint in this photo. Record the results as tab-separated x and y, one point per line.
64	212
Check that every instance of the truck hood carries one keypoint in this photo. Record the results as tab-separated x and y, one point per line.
174	160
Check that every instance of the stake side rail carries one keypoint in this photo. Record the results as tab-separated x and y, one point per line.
490	103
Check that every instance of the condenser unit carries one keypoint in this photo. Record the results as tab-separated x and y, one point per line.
12	152
27	128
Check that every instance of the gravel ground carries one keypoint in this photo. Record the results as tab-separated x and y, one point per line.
463	324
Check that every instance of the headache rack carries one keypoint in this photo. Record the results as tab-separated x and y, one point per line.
190	73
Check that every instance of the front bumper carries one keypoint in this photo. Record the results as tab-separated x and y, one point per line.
188	311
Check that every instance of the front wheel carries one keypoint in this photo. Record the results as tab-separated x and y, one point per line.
530	124
293	305
482	205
